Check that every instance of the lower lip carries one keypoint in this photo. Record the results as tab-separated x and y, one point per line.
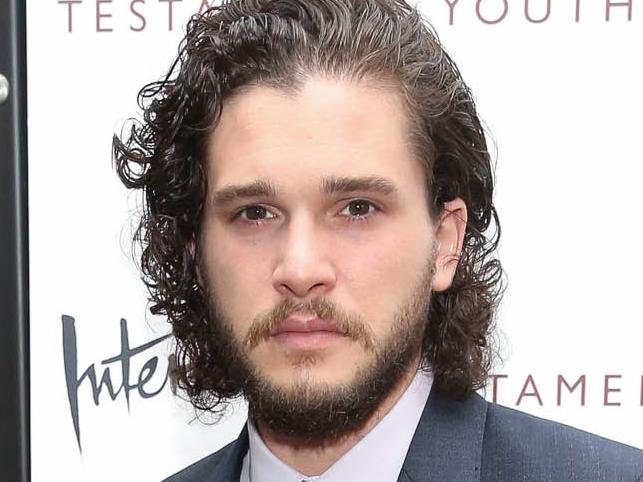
309	340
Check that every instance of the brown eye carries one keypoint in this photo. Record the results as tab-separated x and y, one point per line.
255	214
359	209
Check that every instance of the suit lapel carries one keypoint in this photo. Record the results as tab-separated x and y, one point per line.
447	444
229	468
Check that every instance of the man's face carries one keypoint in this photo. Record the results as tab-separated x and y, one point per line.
317	209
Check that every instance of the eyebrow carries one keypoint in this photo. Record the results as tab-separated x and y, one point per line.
329	186
344	185
232	193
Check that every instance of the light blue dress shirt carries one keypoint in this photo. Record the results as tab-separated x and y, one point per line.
378	457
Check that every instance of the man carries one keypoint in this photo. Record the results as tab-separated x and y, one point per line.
316	229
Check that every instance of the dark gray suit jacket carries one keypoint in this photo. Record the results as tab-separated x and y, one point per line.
473	440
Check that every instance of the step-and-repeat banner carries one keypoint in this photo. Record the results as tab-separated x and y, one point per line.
558	85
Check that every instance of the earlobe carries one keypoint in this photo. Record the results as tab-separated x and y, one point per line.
449	238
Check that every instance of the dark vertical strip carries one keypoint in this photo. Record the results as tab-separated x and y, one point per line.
14	249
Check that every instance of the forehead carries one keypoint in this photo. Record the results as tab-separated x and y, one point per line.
328	128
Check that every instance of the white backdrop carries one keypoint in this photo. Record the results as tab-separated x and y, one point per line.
562	99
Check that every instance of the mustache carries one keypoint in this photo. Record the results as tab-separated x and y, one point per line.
349	324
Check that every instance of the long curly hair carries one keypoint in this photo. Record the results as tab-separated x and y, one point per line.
280	43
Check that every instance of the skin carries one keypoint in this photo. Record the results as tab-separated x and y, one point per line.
361	249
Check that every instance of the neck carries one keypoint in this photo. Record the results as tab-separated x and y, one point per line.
315	460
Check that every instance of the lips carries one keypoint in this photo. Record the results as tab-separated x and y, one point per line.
295	325
307	335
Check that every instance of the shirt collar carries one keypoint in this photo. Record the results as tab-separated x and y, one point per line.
378	457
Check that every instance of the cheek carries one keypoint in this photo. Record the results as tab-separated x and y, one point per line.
383	273
239	273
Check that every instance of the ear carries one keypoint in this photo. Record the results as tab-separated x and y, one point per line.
449	237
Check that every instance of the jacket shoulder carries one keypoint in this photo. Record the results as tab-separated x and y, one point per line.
519	446
203	469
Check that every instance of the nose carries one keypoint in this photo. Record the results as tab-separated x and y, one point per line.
304	268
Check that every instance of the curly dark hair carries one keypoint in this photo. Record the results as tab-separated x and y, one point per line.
280	43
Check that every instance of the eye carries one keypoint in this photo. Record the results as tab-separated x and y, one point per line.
254	214
359	210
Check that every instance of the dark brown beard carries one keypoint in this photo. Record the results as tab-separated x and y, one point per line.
320	413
